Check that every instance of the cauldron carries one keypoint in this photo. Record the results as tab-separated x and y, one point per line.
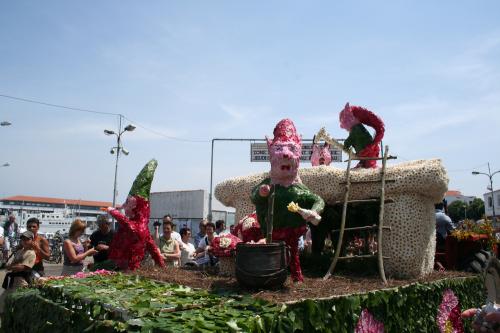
262	265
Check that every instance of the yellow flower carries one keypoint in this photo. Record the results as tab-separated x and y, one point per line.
293	207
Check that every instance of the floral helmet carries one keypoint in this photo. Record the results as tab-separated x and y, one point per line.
142	186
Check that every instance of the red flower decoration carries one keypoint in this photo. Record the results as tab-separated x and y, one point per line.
224	245
248	229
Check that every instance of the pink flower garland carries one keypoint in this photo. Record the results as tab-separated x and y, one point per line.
368	324
79	275
448	317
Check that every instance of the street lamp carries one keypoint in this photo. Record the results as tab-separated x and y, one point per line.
490	176
5	123
118	149
5	164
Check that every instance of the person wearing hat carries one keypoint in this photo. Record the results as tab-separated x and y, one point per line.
21	265
101	238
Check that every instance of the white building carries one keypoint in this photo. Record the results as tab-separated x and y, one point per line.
489	202
187	208
454	195
55	214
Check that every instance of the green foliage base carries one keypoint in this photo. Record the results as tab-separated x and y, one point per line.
123	303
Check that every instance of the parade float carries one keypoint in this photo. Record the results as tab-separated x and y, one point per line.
274	210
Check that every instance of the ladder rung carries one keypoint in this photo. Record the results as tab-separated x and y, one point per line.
362	257
367	227
388	200
369	181
390	157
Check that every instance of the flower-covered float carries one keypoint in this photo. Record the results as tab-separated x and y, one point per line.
410	242
133	303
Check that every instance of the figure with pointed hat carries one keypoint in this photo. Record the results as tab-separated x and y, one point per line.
353	119
288	225
132	240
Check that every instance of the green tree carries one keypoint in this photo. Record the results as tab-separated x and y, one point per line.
476	209
456	210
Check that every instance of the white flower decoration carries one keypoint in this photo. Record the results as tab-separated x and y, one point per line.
248	223
225	242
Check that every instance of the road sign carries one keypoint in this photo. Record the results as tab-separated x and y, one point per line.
259	153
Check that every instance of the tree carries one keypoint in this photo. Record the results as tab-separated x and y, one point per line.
476	209
457	210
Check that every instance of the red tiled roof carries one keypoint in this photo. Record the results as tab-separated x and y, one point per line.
57	201
452	193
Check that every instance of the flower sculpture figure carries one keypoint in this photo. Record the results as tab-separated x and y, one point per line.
224	245
368	324
448	318
352	119
284	182
321	155
248	229
132	240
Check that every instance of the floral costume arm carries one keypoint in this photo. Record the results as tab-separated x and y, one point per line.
154	251
122	220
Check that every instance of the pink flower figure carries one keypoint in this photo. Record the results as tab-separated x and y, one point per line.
368	324
448	317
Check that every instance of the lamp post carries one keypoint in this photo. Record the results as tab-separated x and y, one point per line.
118	149
5	164
490	176
5	123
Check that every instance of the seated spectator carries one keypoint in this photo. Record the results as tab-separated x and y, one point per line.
101	238
203	256
40	246
22	264
187	248
220	227
202	233
19	270
169	247
74	251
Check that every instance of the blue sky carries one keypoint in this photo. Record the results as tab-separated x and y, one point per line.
199	70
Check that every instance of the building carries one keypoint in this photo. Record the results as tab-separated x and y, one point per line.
454	195
187	208
55	214
492	202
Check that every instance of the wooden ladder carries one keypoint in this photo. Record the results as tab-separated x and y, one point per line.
379	227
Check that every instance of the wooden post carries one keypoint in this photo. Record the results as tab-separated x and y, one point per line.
270	216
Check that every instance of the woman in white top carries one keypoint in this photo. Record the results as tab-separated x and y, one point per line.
187	248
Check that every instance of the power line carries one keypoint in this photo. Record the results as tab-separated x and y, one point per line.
28	100
58	105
